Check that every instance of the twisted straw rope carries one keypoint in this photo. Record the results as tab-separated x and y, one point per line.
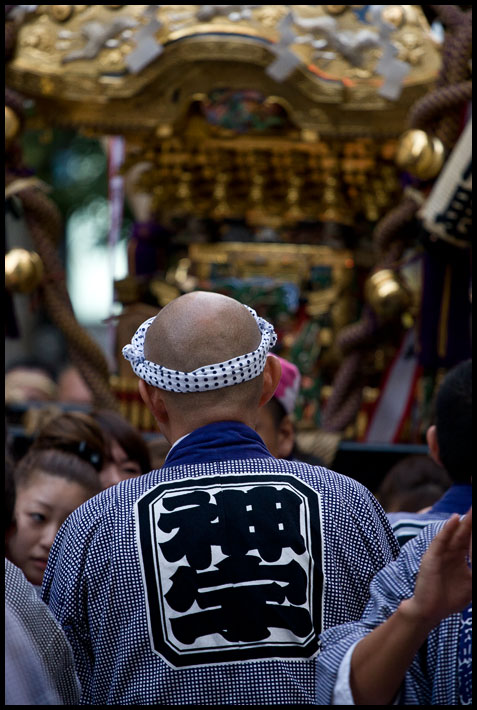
453	91
45	224
457	52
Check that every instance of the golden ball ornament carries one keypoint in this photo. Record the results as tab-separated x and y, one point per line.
420	154
12	124
412	146
386	294
434	165
23	270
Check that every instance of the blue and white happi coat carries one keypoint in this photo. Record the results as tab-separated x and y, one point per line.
457	499
39	664
441	673
208	581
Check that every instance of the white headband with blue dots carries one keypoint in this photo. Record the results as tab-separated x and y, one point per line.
203	379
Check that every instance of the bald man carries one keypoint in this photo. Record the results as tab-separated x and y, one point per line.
207	582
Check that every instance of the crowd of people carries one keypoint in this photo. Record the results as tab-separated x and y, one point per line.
240	571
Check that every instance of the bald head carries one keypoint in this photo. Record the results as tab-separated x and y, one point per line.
200	329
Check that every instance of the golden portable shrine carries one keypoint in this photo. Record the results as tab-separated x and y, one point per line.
290	156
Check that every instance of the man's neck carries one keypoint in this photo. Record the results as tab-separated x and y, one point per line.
177	432
218	440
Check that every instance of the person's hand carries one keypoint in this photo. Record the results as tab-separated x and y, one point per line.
444	583
443	586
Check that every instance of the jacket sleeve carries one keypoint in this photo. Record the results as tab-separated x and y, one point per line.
389	587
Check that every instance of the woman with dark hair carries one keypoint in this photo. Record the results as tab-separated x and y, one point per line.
75	433
49	485
103	438
127	454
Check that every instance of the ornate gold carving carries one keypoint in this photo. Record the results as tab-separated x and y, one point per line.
308	135
113	60
269	15
31	40
47	85
165	130
211	42
41	39
270	179
410	40
394	14
163	292
274	260
61	13
270	182
336	9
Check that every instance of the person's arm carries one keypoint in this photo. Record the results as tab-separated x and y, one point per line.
443	587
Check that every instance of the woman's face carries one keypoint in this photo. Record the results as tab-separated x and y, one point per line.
42	505
119	467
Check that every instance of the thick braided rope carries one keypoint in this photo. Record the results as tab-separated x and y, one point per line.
355	338
457	52
394	224
10	38
344	404
346	414
451	15
360	333
345	399
15	102
44	222
433	106
12	99
438	108
208	377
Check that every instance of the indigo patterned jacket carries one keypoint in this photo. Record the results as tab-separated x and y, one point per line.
441	673
208	581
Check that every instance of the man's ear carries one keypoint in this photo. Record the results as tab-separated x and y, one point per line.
151	397
431	438
271	377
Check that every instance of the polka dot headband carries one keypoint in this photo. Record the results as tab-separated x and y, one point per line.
203	379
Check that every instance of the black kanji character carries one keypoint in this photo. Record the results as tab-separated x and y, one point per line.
240	612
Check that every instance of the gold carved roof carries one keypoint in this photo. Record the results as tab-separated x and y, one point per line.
136	68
